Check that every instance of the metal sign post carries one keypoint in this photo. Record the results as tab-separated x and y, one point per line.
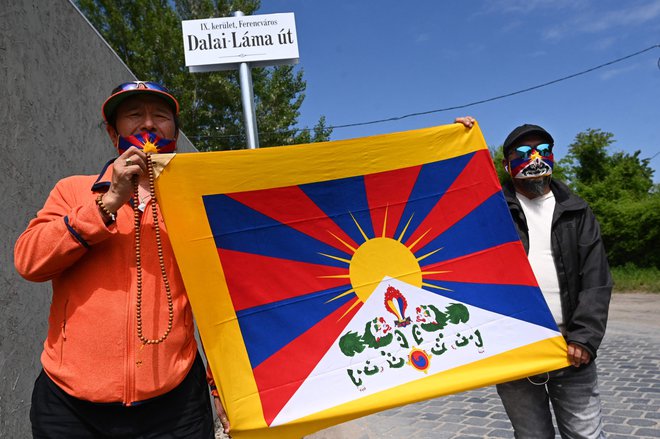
239	43
247	98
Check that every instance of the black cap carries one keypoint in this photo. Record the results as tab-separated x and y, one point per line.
521	131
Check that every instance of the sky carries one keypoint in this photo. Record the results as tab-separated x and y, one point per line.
366	60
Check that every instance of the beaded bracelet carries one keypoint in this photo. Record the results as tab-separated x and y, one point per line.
99	201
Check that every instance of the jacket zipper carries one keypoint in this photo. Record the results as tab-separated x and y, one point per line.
130	339
63	331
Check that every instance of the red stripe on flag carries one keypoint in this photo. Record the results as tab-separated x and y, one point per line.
387	193
280	376
255	280
495	265
292	207
473	186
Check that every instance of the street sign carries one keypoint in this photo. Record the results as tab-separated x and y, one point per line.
224	43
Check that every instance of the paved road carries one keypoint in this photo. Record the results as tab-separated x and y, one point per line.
629	372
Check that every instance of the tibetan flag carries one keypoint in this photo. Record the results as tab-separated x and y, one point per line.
333	280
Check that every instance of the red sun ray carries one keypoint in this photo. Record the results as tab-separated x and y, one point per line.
280	376
472	187
263	279
292	207
387	194
484	267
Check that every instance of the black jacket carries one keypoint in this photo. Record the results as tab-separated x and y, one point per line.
585	283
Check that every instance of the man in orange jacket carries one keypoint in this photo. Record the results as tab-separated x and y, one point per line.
120	358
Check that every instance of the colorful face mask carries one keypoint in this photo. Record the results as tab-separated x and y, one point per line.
148	142
532	161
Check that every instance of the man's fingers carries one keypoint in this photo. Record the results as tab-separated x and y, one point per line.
577	355
222	415
133	157
467	121
585	356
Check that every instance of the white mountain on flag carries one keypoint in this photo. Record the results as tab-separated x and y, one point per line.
402	334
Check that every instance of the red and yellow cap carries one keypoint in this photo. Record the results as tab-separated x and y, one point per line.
128	89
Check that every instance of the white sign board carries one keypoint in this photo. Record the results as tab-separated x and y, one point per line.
223	43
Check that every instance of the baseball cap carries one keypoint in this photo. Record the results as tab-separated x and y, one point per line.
521	131
127	89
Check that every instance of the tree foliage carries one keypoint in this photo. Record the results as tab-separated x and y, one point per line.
620	189
147	36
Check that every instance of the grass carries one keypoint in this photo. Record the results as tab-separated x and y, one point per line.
629	278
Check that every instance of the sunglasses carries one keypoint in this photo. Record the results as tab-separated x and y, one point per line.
135	85
525	151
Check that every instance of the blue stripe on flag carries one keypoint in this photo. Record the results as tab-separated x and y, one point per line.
341	198
433	180
268	328
240	228
517	301
491	221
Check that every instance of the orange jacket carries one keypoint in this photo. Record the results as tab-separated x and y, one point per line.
92	350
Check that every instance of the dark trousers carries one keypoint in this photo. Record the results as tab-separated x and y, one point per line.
573	394
184	412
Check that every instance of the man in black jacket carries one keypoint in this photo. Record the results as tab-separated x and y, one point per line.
564	247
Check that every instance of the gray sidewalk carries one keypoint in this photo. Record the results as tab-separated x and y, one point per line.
629	372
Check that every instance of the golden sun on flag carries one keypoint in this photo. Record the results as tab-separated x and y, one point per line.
378	257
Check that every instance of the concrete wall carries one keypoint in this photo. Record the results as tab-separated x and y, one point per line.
55	72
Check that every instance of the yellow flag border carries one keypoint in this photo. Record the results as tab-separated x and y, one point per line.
183	181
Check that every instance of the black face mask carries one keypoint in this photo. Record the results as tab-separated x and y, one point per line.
534	186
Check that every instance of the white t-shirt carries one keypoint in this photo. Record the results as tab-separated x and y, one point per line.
538	213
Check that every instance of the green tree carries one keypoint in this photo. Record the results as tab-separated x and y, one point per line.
147	36
619	188
587	159
497	156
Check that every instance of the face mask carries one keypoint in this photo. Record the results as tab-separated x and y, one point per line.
532	161
534	186
146	141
